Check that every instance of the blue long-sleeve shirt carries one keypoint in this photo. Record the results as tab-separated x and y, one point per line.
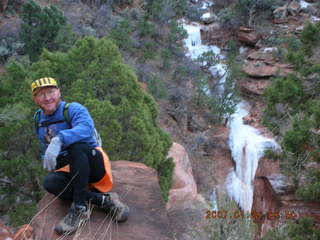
79	129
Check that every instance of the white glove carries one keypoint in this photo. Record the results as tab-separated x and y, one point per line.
52	152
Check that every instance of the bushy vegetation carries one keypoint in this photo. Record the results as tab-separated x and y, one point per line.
228	222
221	97
247	12
311	192
150	33
156	87
39	28
296	140
298	95
285	90
304	229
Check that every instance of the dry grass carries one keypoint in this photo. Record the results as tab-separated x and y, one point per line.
103	232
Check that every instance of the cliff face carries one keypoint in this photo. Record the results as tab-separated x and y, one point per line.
274	191
274	198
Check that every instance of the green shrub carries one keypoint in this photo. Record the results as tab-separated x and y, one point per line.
181	7
177	33
165	172
313	109
153	8
22	214
19	162
310	34
272	154
201	98
226	16
304	229
181	72
294	43
39	28
120	35
311	192
270	122
298	59
65	38
229	222
246	12
157	87
146	28
297	139
148	51
287	90
166	55
224	103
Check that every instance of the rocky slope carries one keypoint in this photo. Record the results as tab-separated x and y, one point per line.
137	185
274	196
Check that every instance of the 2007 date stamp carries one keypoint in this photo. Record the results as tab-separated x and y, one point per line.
254	215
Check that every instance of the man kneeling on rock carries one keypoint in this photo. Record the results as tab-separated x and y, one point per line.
79	169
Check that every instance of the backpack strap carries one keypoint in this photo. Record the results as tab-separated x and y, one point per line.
66	116
36	118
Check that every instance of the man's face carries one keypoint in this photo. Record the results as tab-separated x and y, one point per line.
48	98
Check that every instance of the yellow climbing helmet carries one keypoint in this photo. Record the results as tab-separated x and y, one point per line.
43	82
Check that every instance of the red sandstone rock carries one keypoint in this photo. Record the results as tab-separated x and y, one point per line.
137	185
215	34
281	184
264	197
259	69
189	219
220	155
248	36
274	194
184	188
246	29
6	233
264	54
24	233
280	14
254	87
294	8
262	69
267	167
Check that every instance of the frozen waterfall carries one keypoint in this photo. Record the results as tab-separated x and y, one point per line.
247	146
246	143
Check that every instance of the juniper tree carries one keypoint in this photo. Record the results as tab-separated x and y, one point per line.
39	28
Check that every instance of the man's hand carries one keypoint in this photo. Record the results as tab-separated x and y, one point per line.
52	152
